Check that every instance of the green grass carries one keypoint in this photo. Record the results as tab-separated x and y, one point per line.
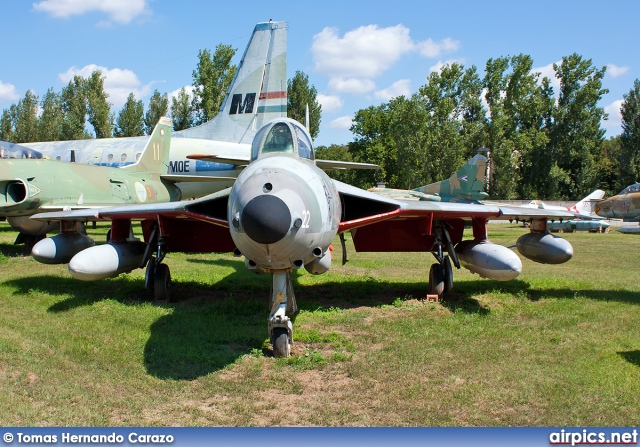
560	345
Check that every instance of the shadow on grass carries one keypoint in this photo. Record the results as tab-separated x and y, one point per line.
211	326
632	357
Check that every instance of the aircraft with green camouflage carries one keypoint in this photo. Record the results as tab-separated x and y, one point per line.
464	185
31	186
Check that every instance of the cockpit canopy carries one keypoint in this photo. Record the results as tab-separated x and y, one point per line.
631	188
284	136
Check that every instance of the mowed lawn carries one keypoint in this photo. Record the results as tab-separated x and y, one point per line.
560	345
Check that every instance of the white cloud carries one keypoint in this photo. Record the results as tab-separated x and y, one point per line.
614	71
351	85
615	117
364	52
330	103
342	123
118	82
119	11
8	92
432	49
548	72
398	88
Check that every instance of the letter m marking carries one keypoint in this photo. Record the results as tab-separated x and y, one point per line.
237	106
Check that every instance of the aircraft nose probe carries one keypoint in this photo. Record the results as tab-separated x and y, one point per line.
266	219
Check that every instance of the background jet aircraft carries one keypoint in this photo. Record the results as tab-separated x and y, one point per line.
625	205
283	212
31	186
257	94
584	209
466	184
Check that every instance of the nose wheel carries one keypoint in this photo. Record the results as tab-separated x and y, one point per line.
282	301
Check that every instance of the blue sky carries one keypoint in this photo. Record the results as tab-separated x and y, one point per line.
356	53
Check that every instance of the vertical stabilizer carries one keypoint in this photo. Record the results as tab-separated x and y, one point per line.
467	183
258	92
586	207
155	155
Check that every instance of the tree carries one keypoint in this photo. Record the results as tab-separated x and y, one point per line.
211	80
158	107
299	95
182	111
576	135
6	126
50	122
26	119
99	109
630	137
130	119
74	110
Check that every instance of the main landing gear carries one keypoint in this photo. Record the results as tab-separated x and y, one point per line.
157	277
282	301
441	273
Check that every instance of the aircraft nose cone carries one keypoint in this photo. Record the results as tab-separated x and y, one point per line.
266	219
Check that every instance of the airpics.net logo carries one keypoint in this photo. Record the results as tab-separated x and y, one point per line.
587	437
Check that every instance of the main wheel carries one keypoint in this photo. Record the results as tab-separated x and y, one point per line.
447	271
162	283
150	275
281	346
436	280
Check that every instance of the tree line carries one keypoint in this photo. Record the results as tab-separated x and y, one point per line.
541	146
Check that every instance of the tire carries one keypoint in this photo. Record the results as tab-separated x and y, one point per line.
281	346
436	280
150	275
447	271
162	283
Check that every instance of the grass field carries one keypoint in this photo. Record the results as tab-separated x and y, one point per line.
560	345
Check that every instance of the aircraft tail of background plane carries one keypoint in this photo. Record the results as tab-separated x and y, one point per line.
155	155
258	92
465	184
586	207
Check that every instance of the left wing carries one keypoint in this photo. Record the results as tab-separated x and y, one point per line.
322	164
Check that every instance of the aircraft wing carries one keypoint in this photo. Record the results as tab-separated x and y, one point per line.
331	164
236	161
195	178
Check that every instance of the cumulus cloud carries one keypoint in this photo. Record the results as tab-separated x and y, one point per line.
432	49
615	116
8	92
330	103
364	52
398	88
614	71
342	123
118	82
352	85
119	11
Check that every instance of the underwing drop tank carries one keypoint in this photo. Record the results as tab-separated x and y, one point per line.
106	261
544	248
489	260
61	248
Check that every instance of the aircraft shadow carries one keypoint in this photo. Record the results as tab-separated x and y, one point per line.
210	327
632	357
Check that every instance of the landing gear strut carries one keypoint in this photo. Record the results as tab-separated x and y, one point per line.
282	301
157	278
441	273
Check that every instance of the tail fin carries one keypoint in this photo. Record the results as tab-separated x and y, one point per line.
258	92
467	183
586	207
155	155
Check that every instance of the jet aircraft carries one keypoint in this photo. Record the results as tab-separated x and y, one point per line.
282	213
625	205
584	209
257	94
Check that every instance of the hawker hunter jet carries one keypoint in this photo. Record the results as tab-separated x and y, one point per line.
282	213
